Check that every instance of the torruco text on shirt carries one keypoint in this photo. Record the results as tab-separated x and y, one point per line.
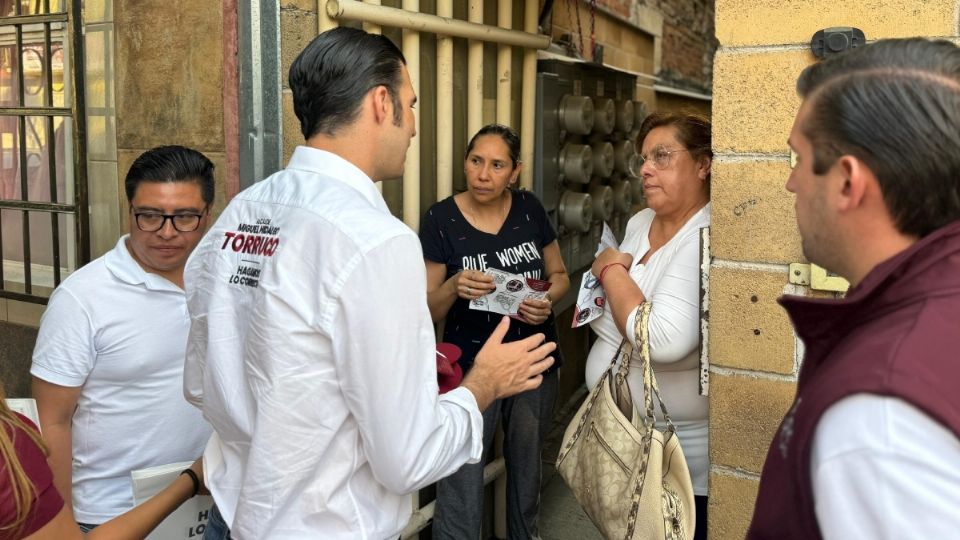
255	241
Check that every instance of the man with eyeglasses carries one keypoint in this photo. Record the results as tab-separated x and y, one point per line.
108	363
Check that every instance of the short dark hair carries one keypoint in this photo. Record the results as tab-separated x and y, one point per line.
506	133
895	105
331	76
171	164
693	131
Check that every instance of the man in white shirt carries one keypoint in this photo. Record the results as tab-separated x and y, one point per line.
108	363
871	446
312	350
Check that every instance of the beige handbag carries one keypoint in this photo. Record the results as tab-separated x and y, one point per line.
630	478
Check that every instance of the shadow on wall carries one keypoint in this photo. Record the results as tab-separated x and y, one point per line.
15	357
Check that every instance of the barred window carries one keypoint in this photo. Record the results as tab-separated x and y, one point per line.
43	206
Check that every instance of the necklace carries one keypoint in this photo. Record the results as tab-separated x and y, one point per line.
487	225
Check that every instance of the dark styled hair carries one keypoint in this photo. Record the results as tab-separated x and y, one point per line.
895	105
693	131
506	133
331	76
171	164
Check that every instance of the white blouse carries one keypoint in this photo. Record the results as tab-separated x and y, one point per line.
671	281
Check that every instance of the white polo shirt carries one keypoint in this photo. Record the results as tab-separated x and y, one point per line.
312	353
120	333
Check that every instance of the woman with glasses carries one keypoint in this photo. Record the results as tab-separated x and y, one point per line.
659	262
491	225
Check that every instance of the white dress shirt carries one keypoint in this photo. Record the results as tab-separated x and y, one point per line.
312	353
883	470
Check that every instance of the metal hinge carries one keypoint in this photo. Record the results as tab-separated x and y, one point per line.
817	278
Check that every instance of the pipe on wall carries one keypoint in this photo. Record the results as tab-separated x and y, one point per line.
528	93
444	106
370	27
504	103
475	72
373	29
425	22
504	64
411	168
324	21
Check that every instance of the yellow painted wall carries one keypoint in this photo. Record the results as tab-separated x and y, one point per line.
764	44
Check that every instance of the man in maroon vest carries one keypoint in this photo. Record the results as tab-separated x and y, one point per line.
870	447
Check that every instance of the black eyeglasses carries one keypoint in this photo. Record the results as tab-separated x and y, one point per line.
153	222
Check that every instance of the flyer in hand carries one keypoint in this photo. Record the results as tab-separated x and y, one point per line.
26	407
189	520
591	299
511	290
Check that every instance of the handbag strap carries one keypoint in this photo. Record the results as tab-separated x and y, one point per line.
650	387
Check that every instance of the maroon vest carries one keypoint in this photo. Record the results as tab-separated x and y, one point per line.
896	334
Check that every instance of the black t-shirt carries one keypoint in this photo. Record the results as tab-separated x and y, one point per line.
448	238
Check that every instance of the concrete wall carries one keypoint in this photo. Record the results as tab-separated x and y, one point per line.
169	81
764	44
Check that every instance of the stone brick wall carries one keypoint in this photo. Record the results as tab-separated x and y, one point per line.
670	39
169	84
763	46
298	26
688	42
625	44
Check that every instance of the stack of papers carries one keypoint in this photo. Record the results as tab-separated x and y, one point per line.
591	299
511	290
26	407
186	522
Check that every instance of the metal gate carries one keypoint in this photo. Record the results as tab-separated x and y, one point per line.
44	227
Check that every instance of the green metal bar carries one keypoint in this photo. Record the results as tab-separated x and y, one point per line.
1	251
18	20
24	180
51	146
23	297
82	221
38	206
47	68
35	111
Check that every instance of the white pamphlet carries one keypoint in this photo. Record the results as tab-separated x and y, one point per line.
591	298
511	290
26	407
185	523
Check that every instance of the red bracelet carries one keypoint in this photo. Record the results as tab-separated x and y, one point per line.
607	267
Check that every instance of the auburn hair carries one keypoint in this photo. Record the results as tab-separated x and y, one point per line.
22	490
